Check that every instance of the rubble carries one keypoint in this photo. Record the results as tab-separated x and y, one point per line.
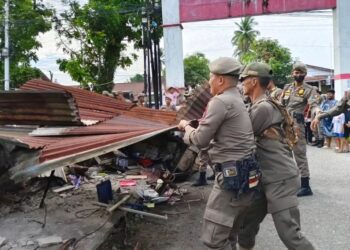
48	241
125	162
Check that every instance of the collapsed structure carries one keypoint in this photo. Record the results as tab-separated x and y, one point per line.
47	125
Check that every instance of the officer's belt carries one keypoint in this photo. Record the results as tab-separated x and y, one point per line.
218	166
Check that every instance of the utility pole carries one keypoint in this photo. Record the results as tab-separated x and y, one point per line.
5	51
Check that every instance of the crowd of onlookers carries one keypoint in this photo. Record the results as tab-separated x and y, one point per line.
173	99
331	131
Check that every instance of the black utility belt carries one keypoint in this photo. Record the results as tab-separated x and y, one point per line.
240	176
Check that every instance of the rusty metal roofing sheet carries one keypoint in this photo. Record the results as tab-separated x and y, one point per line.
196	104
92	106
38	108
60	151
161	116
121	124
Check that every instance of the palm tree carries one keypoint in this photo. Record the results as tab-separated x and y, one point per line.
245	36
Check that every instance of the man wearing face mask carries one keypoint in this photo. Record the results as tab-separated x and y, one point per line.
295	97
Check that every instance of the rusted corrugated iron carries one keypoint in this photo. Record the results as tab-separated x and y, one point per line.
60	151
92	106
195	104
165	117
121	124
38	108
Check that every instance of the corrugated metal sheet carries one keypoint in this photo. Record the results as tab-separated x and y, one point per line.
121	124
61	151
92	106
38	107
196	104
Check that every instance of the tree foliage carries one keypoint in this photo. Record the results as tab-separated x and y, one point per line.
271	52
196	69
95	37
137	78
26	21
245	36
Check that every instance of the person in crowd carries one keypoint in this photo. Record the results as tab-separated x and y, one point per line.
141	100
295	97
168	106
338	131
346	131
326	124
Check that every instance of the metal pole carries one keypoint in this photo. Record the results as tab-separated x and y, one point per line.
6	49
149	85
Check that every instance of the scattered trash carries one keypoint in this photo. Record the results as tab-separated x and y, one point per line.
75	180
127	183
104	191
150	193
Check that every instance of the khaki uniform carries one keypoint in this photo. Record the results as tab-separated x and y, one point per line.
295	99
276	93
226	129
280	181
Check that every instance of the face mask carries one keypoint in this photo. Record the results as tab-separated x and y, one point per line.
299	78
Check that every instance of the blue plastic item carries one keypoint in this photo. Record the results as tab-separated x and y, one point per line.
104	191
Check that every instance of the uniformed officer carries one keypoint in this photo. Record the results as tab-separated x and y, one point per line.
280	175
341	107
295	97
274	91
227	130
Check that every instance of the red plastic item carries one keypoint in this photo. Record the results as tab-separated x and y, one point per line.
127	183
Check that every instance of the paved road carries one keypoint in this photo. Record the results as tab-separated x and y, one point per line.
325	216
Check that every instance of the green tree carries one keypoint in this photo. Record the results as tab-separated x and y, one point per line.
137	78
245	36
196	69
95	36
272	53
27	20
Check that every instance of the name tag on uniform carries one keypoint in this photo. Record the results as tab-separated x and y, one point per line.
253	179
230	172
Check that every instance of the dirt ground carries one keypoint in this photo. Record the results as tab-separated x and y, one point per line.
181	230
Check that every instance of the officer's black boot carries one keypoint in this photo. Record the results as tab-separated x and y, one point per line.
202	181
212	177
315	143
320	144
305	189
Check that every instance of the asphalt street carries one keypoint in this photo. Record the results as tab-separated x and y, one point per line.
325	216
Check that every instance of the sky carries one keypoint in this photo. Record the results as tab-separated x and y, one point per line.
309	36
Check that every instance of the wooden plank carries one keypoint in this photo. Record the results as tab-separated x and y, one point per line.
136	177
62	189
115	206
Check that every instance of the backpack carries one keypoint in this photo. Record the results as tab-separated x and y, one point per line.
287	126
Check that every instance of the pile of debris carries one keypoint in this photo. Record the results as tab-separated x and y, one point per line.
77	155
